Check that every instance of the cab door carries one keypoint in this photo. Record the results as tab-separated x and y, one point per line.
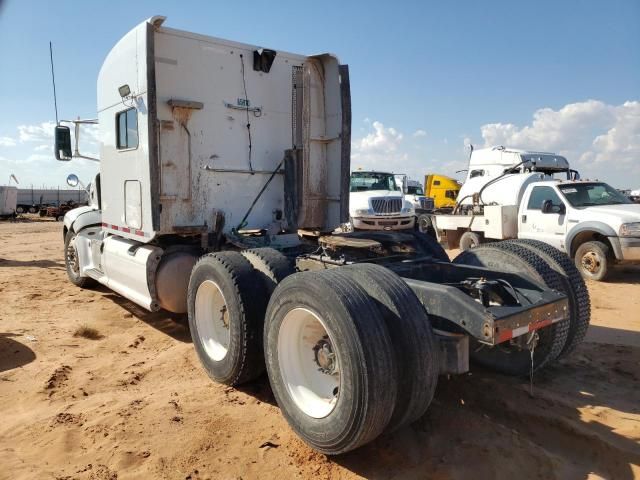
543	216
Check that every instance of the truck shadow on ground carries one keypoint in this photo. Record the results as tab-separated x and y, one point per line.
173	325
52	264
13	354
613	336
624	274
484	425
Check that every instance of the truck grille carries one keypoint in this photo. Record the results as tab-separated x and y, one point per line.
426	203
386	205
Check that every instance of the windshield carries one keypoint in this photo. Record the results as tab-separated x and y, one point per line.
363	181
592	194
415	191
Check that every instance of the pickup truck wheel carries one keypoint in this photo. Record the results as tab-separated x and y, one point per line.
469	240
272	265
330	360
430	246
416	349
507	358
72	262
33	210
592	260
574	287
226	303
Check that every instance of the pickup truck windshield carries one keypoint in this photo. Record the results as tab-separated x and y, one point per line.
592	194
363	181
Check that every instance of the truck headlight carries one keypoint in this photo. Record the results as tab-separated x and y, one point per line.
630	229
408	209
363	211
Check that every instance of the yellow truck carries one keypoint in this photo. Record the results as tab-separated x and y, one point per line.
444	190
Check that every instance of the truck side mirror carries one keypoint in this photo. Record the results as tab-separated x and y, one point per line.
63	143
549	207
73	180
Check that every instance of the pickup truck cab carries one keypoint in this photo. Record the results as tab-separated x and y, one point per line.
376	202
591	221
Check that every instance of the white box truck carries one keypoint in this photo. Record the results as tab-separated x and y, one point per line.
512	194
219	161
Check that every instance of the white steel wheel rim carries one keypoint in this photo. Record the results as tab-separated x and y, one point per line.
72	257
212	320
314	387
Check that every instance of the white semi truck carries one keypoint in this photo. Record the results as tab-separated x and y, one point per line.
224	168
377	202
513	194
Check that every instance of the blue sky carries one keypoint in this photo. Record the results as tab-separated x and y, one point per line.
426	77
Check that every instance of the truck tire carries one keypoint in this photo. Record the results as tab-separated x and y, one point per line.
71	262
424	224
226	302
33	210
430	246
469	240
506	358
19	209
574	287
592	260
416	349
272	265
330	360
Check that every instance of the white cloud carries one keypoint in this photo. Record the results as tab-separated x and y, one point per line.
38	157
379	150
419	133
386	149
600	140
381	140
42	148
7	142
36	133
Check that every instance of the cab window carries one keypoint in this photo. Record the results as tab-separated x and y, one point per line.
539	195
127	129
476	173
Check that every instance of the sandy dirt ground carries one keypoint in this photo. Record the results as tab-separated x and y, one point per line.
134	403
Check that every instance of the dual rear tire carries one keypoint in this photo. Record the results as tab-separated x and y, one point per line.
349	351
548	266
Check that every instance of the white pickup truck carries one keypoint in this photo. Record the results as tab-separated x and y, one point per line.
589	220
377	202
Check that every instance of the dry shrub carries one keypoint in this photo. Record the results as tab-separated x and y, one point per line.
87	332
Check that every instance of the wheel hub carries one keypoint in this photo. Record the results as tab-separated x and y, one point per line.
224	318
324	356
590	262
72	257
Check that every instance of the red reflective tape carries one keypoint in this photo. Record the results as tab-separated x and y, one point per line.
140	233
504	336
540	324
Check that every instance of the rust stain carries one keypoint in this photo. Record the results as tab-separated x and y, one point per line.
181	114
